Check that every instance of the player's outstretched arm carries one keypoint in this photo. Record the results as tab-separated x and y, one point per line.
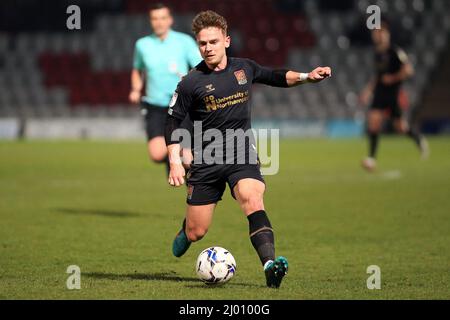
318	74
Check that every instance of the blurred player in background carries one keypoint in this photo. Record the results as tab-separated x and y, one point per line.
392	69
160	60
217	93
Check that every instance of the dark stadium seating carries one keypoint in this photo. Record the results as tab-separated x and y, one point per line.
50	71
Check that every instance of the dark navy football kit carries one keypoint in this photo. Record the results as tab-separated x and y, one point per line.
220	102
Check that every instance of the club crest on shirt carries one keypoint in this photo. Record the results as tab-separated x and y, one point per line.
209	88
240	76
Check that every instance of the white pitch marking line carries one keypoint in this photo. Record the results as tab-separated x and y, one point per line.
392	175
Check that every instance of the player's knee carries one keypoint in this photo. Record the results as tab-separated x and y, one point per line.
157	150
373	127
255	206
196	233
254	203
157	156
158	159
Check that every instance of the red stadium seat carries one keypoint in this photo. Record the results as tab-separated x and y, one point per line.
280	25
265	39
263	26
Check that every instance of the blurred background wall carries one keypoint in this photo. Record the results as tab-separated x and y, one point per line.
59	83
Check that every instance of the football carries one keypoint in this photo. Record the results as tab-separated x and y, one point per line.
215	265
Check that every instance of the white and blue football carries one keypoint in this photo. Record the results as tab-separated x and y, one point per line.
215	265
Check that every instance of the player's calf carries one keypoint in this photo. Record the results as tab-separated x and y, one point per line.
261	236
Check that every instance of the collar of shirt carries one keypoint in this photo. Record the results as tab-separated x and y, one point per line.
158	40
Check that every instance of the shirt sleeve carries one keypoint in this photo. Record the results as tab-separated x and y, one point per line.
181	102
138	61
193	56
268	76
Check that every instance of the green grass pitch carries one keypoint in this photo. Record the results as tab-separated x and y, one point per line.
104	207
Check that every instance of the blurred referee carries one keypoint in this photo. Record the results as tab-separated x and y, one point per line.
161	59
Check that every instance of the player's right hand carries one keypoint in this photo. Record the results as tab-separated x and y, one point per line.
176	174
135	96
318	74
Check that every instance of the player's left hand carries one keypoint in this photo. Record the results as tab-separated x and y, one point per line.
318	74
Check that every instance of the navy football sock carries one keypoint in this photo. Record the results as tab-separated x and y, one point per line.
261	235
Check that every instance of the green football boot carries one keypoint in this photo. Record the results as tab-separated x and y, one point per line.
181	243
275	271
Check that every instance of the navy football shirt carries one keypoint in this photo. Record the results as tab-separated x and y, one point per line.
220	101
